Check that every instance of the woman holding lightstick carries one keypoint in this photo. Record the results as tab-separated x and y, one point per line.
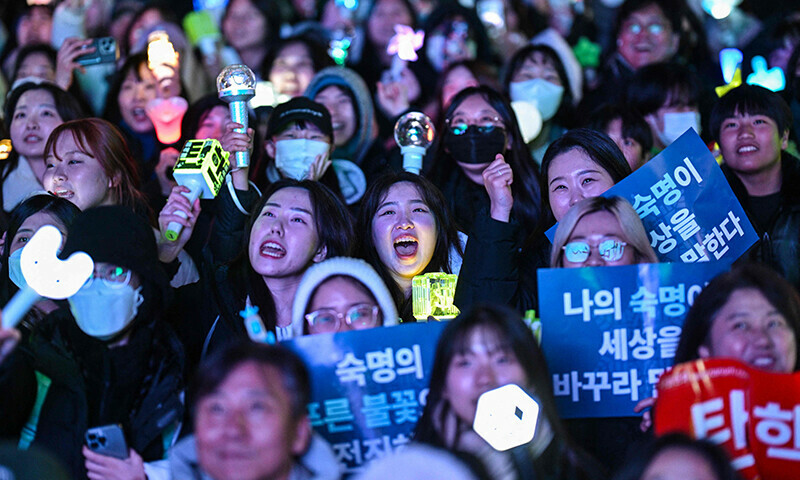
24	221
88	163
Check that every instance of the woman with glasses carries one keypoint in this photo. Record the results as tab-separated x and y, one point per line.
581	164
406	231
479	125
110	358
599	232
341	294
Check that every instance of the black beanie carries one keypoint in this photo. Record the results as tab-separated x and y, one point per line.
116	235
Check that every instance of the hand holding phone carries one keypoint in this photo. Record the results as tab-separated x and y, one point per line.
108	440
105	51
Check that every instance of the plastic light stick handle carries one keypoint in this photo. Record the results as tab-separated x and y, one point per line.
239	115
174	228
398	64
412	158
18	306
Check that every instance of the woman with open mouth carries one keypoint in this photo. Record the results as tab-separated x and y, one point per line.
294	225
88	163
407	231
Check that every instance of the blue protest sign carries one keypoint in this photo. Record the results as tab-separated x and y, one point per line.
368	387
609	332
686	205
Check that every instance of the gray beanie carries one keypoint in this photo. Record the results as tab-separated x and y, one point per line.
348	267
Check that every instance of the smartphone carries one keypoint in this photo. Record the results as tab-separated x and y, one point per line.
107	440
105	51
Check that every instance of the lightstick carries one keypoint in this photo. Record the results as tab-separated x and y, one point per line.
414	133
166	115
404	45
506	417
432	296
45	274
236	85
201	168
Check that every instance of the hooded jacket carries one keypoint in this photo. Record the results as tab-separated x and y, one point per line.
778	246
362	148
65	382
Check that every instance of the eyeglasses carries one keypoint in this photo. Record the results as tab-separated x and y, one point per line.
609	250
329	320
652	28
111	275
485	124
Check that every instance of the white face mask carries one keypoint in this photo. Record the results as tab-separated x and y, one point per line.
102	311
15	269
676	123
546	96
294	157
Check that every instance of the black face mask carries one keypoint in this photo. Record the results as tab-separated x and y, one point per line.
476	144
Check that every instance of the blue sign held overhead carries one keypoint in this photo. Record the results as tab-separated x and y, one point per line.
369	387
686	205
609	332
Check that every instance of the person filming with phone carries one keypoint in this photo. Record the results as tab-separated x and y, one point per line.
100	384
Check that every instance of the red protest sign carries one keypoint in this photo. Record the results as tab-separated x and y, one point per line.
707	399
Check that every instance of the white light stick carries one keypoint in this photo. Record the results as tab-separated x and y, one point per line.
414	133
404	45
236	85
46	275
506	417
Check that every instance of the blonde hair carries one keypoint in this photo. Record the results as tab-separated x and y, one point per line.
629	222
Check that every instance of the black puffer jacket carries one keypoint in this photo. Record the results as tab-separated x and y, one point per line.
778	246
74	382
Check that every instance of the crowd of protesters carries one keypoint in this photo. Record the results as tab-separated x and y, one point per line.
539	107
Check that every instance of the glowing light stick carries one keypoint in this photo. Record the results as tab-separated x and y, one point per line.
45	274
201	168
202	30
255	326
432	294
166	115
729	61
506	417
236	85
162	59
414	133
772	79
719	9
404	45
5	148
735	82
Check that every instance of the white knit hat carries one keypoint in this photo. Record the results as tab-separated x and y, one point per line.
348	267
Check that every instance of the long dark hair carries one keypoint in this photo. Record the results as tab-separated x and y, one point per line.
527	204
600	149
67	106
513	336
64	210
640	458
446	232
778	292
334	229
